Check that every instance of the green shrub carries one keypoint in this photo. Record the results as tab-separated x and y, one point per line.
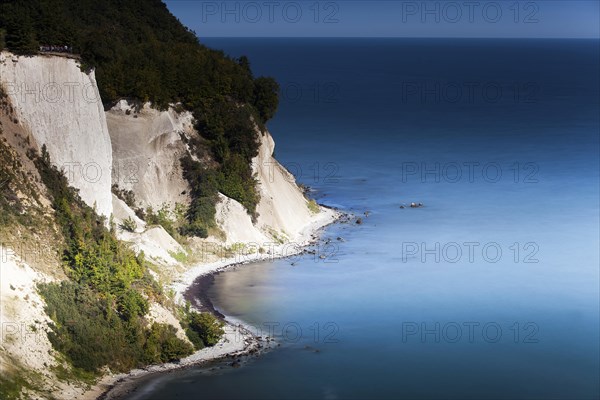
194	229
126	195
162	344
206	326
161	217
128	225
86	329
195	338
173	222
92	335
132	304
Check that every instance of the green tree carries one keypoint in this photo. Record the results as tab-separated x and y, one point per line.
206	326
163	345
20	36
266	97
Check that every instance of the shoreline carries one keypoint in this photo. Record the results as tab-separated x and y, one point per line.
238	340
307	236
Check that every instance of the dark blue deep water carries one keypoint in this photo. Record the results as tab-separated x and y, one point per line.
490	291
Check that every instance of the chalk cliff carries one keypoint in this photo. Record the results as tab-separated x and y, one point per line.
138	148
60	106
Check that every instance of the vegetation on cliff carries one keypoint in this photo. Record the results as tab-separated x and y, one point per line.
203	329
98	315
140	50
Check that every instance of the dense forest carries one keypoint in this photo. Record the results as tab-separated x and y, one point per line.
139	50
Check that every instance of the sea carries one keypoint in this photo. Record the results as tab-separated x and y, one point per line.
490	289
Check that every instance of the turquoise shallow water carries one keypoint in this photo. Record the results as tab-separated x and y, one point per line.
489	291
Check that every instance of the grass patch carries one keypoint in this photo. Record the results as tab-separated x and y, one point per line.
313	206
180	256
17	383
279	237
71	374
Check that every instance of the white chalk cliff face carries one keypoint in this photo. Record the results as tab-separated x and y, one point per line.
60	106
283	211
233	219
139	150
282	205
147	149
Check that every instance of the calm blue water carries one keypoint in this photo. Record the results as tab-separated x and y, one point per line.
499	140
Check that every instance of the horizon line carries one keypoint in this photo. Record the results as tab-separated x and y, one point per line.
399	37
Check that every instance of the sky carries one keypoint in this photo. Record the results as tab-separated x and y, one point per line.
391	18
